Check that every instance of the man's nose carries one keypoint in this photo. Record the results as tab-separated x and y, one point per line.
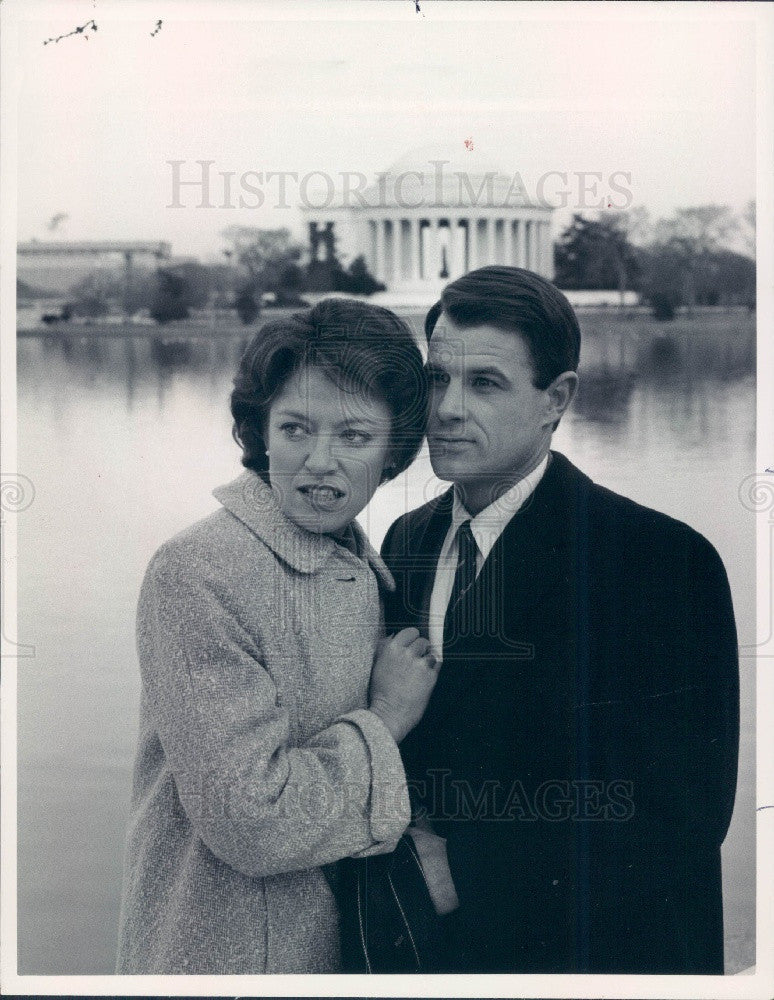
321	458
449	401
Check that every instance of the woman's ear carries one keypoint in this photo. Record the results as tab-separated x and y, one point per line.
559	395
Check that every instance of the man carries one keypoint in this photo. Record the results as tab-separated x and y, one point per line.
578	754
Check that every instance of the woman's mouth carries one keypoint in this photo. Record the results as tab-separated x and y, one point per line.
322	497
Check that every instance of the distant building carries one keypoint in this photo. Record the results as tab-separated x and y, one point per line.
431	217
56	265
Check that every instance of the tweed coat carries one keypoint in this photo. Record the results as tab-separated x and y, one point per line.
258	761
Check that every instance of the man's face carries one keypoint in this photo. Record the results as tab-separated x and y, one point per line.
489	426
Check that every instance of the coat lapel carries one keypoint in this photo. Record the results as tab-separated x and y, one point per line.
528	562
428	547
532	549
412	557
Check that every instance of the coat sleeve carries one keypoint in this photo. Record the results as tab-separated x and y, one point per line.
680	742
260	804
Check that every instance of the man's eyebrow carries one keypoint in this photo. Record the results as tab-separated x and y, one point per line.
471	369
488	370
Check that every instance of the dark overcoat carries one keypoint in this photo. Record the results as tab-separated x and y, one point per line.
579	752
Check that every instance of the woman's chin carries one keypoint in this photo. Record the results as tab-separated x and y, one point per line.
321	522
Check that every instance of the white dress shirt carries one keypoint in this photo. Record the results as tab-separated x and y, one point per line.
486	528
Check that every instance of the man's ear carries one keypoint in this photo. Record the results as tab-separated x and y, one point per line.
559	395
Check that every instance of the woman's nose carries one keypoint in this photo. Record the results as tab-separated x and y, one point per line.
321	458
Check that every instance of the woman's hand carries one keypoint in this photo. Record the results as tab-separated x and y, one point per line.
402	680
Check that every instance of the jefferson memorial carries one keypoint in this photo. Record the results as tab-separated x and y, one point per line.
430	217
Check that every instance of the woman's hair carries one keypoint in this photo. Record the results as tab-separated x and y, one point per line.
359	347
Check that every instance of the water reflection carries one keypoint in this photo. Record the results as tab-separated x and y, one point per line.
171	354
604	397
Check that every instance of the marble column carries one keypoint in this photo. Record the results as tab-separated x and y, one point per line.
370	229
548	259
472	243
521	255
491	256
510	243
379	251
539	238
535	247
451	249
397	251
388	254
434	247
414	248
530	265
539	247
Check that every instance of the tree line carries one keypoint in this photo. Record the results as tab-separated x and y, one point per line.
261	269
695	257
703	255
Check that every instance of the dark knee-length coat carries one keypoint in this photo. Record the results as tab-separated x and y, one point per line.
579	751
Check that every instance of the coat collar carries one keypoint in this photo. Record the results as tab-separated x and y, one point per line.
533	544
253	502
549	511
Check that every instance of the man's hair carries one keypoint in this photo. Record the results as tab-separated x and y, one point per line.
359	347
516	301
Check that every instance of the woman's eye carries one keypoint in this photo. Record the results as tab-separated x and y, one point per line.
293	431
356	437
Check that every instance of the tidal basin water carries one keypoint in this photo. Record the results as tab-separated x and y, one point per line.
124	438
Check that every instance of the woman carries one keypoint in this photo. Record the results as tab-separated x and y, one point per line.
264	755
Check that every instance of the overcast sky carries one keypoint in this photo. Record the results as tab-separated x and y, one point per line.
672	102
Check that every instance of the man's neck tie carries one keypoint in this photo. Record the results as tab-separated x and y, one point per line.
459	613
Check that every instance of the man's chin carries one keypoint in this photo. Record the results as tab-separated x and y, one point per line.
450	468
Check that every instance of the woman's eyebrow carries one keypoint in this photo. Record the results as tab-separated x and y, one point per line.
294	414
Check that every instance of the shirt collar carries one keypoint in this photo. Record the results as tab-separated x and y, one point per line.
489	524
253	502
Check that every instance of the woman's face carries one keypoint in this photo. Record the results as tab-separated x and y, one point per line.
327	450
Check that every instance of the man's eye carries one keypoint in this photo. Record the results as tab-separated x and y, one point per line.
439	377
293	431
356	437
482	382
